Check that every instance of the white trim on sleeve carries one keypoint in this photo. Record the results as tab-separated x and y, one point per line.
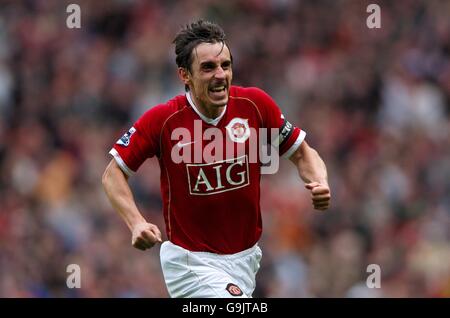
121	163
295	146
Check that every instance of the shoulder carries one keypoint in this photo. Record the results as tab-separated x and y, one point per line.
252	93
158	114
154	118
256	96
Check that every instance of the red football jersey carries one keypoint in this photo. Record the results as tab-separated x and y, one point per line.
211	195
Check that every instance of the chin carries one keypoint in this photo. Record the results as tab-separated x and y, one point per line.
221	103
224	101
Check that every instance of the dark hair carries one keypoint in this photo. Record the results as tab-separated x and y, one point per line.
193	34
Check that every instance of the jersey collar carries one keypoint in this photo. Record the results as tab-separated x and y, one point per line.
211	121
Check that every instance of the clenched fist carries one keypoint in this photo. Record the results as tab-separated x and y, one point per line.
145	235
320	195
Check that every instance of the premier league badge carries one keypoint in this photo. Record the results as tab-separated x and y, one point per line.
125	139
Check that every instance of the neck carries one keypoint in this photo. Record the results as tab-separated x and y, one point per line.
210	112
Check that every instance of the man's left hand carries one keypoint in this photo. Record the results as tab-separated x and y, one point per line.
320	195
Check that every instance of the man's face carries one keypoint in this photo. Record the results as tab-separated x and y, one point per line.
210	75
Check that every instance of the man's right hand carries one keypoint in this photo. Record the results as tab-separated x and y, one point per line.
145	235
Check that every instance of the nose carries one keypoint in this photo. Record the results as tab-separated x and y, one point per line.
220	73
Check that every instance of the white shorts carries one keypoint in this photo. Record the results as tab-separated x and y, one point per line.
208	275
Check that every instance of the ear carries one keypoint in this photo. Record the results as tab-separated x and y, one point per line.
184	75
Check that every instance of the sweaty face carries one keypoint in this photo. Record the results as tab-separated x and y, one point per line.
210	77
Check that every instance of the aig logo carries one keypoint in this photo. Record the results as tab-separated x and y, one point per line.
218	177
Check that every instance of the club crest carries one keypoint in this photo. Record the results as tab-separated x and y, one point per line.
238	130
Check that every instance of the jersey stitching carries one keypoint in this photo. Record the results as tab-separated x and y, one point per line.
162	127
169	234
253	103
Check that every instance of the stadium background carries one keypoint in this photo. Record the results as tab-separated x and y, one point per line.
375	103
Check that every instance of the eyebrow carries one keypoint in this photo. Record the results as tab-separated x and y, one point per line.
209	62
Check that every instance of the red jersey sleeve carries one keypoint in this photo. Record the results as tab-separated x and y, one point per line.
290	137
141	141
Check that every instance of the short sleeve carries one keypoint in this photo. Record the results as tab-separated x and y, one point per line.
140	142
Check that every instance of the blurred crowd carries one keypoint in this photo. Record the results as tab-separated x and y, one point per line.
375	103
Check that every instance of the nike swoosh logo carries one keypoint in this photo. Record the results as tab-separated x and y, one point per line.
179	144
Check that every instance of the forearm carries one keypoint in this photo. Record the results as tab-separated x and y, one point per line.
119	194
310	165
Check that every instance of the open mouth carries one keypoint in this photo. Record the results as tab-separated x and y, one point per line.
218	89
218	92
